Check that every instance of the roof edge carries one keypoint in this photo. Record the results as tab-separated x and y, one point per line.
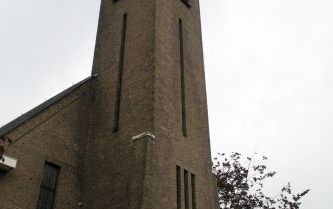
9	127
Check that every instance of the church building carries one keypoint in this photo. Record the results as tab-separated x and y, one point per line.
133	135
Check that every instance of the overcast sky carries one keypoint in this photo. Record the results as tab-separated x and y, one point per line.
268	69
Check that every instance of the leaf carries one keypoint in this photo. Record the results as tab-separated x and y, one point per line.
240	186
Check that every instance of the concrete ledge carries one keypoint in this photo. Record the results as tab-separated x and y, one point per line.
144	134
8	164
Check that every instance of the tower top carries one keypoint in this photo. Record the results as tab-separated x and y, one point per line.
150	109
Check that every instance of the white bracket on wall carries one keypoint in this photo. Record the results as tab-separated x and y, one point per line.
8	163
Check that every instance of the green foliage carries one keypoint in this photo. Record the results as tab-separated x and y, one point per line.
241	187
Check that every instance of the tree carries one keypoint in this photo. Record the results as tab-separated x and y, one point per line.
240	184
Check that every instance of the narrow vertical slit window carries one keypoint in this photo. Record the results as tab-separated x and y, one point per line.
120	75
186	190
187	3
179	188
182	77
48	187
194	203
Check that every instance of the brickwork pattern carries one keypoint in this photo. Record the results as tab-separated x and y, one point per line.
55	135
101	168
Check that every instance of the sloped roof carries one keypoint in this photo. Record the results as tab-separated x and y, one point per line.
35	111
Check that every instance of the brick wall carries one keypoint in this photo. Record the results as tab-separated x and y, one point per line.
55	135
106	169
192	152
112	181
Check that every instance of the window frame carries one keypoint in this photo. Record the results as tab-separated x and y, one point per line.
47	188
187	3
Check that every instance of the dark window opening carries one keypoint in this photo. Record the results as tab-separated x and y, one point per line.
182	77
186	190
120	75
194	203
48	187
187	3
178	176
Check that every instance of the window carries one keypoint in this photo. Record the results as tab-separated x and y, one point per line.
188	197
182	77
48	186
186	189
120	75
179	188
186	2
194	203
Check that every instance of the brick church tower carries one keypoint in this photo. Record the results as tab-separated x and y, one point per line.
134	135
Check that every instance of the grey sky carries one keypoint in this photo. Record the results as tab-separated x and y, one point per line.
268	67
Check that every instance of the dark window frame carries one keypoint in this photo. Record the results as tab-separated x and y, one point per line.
120	74
182	77
194	201
186	190
44	187
179	187
187	3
